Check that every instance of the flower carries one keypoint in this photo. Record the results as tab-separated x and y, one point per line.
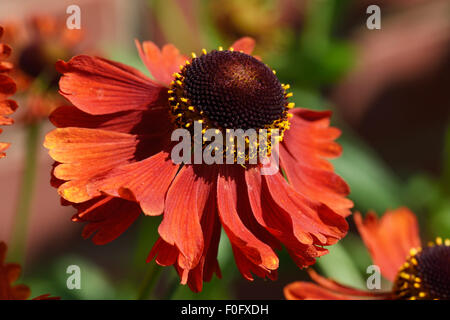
394	245
9	273
7	88
38	43
113	160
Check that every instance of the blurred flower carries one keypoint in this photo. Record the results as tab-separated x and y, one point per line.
38	43
7	88
9	273
394	244
113	149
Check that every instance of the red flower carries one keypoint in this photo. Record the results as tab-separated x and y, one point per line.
113	150
9	273
7	88
394	244
38	42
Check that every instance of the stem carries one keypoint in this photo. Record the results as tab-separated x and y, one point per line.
19	236
172	289
149	282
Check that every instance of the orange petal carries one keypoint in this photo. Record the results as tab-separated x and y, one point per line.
85	154
146	182
7	87
390	238
180	226
255	250
162	64
303	154
107	218
5	51
100	86
309	291
245	44
311	220
316	183
277	221
248	268
9	273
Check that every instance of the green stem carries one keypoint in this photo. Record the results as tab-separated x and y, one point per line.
19	235
172	289
149	282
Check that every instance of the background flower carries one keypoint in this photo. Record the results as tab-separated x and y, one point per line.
393	242
7	88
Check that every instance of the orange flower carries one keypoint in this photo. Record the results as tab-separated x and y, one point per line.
394	244
38	43
113	149
7	88
9	273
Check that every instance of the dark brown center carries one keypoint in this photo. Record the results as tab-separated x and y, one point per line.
234	90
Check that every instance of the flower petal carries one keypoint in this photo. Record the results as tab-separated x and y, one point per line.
150	122
107	218
245	44
184	206
162	64
146	182
303	154
390	238
204	204
317	184
309	291
311	220
100	86
9	273
85	153
7	87
240	236
277	221
248	268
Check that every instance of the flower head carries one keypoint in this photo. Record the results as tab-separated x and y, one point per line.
113	160
38	42
7	88
9	273
394	244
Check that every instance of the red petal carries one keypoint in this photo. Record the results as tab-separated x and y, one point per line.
389	239
247	268
8	274
277	221
317	184
107	218
84	154
7	87
245	44
303	154
166	254
162	64
185	202
310	291
151	122
145	181
100	86
342	289
309	218
208	264
5	51
253	248
210	225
